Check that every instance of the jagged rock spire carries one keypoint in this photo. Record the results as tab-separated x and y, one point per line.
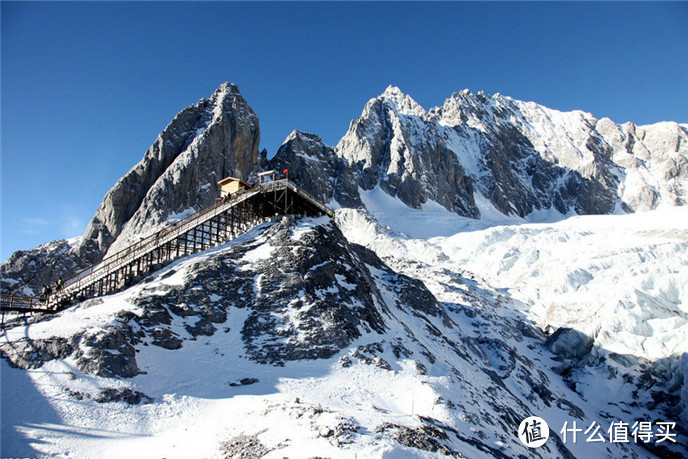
205	142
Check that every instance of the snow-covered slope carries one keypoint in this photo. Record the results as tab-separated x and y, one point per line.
609	290
622	281
295	342
315	347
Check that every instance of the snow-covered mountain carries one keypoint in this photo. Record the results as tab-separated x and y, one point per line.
474	154
427	319
520	156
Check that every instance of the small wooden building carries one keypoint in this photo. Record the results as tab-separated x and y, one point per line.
231	185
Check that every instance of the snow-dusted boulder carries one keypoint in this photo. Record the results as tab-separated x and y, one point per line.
570	343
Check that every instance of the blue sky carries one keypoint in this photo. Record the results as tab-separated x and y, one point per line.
87	87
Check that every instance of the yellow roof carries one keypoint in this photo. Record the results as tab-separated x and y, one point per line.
228	180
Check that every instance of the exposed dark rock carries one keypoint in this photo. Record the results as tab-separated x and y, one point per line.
317	169
244	382
399	350
244	447
570	343
108	353
425	437
153	312
303	275
343	433
166	338
368	355
27	353
201	328
132	397
76	395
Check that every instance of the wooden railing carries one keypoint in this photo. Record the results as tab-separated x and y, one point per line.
150	243
22	303
146	246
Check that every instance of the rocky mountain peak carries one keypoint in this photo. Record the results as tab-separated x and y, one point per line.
300	136
471	109
205	142
227	99
394	144
400	102
317	169
226	88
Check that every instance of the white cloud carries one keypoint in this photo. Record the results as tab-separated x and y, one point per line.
37	222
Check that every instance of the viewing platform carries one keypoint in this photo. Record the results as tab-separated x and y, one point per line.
228	217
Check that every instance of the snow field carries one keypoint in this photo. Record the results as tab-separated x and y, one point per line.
623	279
562	274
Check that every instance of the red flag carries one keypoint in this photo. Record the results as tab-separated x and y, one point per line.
285	171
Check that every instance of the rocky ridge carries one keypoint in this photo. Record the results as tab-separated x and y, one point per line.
474	151
316	167
520	156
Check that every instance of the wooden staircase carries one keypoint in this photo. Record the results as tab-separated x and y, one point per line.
211	226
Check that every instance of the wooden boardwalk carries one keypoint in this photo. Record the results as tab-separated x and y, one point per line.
218	223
